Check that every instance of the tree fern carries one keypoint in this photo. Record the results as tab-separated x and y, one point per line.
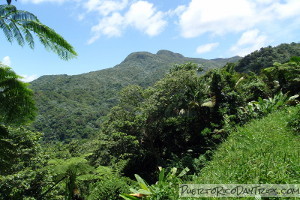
19	25
16	100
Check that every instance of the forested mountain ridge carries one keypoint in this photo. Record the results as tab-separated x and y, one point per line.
265	57
72	106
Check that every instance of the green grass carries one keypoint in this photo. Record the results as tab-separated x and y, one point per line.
265	151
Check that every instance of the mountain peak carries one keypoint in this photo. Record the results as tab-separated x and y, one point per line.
169	53
143	55
139	56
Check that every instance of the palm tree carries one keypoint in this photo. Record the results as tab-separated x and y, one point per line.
19	25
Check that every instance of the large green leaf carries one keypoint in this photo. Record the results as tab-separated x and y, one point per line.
128	197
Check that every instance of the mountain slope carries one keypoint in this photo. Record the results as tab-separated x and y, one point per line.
264	151
265	57
72	106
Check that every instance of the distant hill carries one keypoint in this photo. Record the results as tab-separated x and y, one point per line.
72	106
265	57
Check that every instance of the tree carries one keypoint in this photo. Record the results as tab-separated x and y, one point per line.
70	171
19	147
21	163
150	126
19	25
16	100
17	105
284	77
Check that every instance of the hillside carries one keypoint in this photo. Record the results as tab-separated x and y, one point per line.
264	151
72	106
265	57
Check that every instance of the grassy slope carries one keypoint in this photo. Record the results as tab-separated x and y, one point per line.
264	151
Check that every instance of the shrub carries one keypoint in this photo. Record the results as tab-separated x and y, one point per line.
294	121
262	107
165	188
110	188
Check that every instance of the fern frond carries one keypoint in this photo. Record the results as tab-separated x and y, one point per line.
5	9
21	15
6	30
16	100
16	23
51	40
16	33
28	37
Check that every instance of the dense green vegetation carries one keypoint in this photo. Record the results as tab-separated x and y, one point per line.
17	145
21	160
263	151
72	106
183	127
265	57
17	105
186	114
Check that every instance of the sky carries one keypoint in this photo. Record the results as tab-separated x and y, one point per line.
104	32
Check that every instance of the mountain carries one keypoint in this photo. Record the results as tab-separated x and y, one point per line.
72	106
265	57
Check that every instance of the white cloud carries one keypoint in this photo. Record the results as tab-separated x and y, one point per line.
25	78
177	11
266	1
218	17
43	1
288	9
141	15
198	17
105	7
206	48
249	41
28	78
6	61
110	26
251	37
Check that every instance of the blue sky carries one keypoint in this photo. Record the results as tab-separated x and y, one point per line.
104	32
